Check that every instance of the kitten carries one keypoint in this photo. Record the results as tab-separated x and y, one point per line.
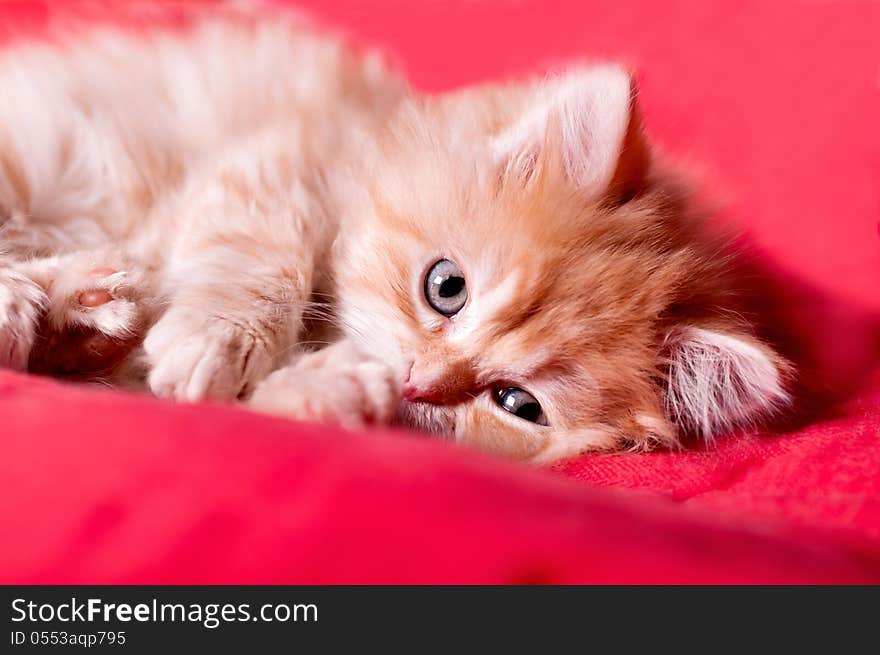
507	266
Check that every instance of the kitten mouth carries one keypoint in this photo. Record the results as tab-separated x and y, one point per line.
435	420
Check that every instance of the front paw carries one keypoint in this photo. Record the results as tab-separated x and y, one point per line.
337	385
103	300
21	304
194	357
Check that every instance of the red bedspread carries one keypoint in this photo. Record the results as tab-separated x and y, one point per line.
779	104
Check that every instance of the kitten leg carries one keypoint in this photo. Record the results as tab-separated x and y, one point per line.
238	277
337	384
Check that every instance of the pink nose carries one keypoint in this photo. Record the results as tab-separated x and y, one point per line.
439	382
421	394
436	395
411	393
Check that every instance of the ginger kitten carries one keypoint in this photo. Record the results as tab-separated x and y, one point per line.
506	266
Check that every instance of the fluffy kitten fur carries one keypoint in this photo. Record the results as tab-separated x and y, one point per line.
198	209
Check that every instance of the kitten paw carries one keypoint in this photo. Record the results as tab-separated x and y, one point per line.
193	357
21	304
337	384
101	299
93	318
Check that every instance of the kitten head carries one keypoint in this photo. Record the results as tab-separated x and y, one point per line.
540	287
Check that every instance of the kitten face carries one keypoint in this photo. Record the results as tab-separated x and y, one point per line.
536	285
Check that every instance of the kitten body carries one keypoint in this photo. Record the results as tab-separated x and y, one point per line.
192	162
507	266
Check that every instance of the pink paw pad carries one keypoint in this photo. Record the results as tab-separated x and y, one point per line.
96	297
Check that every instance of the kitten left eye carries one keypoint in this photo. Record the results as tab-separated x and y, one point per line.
445	288
521	403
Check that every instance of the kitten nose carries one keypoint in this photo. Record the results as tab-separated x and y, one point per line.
412	393
446	384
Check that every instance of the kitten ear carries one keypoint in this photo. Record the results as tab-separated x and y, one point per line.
718	380
586	121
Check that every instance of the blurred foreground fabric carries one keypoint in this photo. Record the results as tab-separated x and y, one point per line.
775	107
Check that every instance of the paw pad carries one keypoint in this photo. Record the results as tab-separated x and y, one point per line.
94	298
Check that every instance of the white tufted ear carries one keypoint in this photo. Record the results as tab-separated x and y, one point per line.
588	114
721	380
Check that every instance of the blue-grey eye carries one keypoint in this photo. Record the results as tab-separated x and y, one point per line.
521	403
445	288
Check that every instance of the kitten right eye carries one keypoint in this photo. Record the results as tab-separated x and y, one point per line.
521	403
445	288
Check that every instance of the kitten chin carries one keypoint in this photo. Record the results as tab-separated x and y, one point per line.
435	420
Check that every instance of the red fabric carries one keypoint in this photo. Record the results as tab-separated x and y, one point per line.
779	104
100	487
